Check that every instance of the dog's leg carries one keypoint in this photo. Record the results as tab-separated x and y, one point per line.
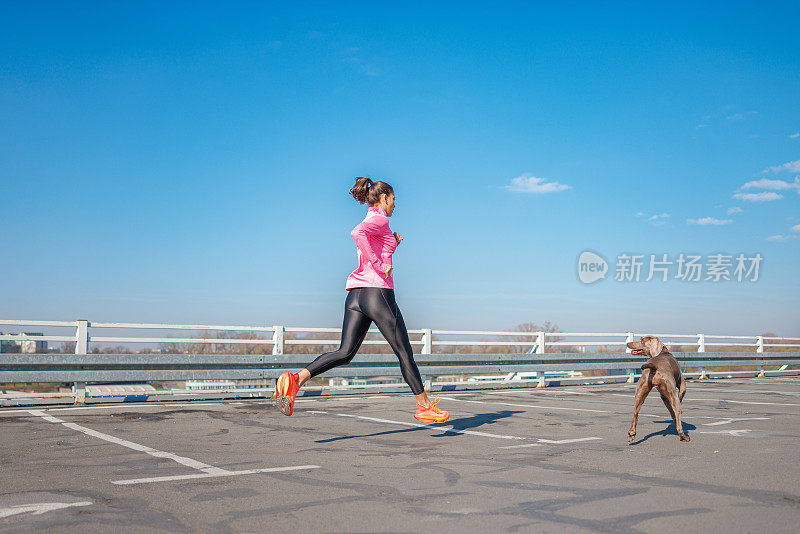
668	404
676	407
642	389
682	389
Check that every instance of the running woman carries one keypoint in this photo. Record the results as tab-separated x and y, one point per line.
370	298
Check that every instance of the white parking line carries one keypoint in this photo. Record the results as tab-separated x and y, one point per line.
550	441
750	391
728	400
736	419
749	402
207	470
535	406
121	406
420	425
39	508
564	441
736	433
188	462
208	475
724	421
452	430
159	405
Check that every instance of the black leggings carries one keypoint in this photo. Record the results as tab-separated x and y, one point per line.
363	306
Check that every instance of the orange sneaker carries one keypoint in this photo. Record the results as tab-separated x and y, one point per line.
431	414
286	389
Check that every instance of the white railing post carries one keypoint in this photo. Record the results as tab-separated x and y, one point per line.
701	347
82	337
631	372
427	340
540	347
760	348
81	347
277	339
539	342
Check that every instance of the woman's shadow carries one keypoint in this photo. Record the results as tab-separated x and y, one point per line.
671	430
455	428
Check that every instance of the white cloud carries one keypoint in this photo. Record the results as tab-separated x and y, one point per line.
794	135
758	197
639	213
776	238
775	185
741	116
737	209
531	184
787	237
706	221
792	166
658	220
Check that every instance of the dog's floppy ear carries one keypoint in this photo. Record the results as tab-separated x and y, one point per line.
654	346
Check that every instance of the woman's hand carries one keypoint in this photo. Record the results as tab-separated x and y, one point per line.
388	272
398	237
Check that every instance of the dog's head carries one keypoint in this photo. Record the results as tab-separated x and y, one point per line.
650	346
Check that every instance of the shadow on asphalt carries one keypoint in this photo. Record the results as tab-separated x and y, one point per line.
463	423
671	430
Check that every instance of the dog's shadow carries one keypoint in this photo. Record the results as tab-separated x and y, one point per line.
671	430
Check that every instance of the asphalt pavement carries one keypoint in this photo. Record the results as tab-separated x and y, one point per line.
545	460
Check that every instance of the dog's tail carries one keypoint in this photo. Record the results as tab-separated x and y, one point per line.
649	365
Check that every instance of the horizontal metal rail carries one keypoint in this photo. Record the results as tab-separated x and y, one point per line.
151	367
275	337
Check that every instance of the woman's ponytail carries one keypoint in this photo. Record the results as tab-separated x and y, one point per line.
367	191
361	189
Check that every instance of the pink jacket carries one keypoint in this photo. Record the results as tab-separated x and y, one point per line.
375	243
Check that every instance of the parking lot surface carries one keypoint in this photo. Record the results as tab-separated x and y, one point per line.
550	460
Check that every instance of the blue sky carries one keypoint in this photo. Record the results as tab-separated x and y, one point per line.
191	162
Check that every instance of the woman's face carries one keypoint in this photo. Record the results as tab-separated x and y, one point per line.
387	203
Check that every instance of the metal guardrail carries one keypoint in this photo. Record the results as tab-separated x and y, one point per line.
176	367
533	342
83	366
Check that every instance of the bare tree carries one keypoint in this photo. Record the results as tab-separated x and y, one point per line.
526	342
548	328
310	348
119	349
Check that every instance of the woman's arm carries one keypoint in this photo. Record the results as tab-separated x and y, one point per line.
360	234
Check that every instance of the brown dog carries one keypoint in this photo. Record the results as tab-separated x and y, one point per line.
663	372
